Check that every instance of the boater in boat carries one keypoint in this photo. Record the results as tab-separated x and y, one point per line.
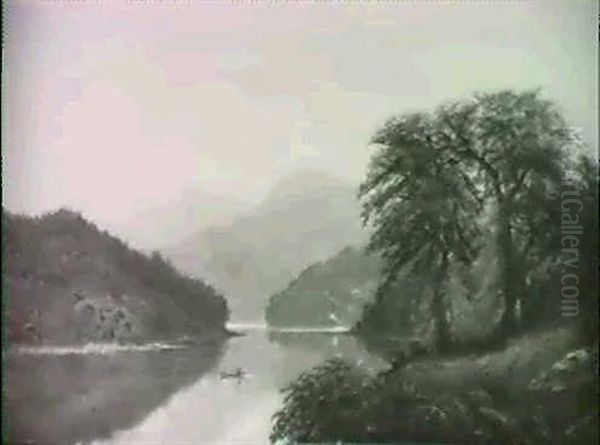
237	374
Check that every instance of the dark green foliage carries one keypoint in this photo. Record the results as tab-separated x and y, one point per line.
330	293
439	187
322	405
57	259
397	312
439	184
589	246
422	212
518	143
337	402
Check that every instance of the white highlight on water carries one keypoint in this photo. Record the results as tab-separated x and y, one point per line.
242	326
95	348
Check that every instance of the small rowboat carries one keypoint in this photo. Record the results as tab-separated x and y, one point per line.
239	373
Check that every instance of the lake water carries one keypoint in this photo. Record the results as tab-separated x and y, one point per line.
163	394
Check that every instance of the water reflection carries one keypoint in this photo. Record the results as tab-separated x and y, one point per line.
328	345
169	396
65	399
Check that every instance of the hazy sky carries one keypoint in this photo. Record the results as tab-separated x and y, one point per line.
110	106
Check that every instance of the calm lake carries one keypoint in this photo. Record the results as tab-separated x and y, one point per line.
163	394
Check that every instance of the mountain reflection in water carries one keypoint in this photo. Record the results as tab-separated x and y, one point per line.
71	398
167	396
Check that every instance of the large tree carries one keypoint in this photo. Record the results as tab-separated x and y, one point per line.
439	180
419	207
585	207
515	147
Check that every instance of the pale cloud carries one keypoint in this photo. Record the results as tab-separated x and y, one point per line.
117	106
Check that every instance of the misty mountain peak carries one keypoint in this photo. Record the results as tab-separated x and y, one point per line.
306	182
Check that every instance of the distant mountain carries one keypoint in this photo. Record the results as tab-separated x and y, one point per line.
327	294
307	217
68	282
167	223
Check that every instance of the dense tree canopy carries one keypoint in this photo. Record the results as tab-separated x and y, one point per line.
472	199
421	209
439	182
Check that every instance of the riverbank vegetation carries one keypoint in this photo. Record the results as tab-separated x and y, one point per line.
484	213
531	392
327	294
67	282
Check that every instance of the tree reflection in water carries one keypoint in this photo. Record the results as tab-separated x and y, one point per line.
72	398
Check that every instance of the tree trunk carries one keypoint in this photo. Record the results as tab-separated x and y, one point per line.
508	278
442	338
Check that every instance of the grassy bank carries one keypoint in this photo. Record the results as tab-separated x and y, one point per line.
540	388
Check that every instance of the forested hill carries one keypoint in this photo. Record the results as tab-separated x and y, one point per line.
327	294
67	282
